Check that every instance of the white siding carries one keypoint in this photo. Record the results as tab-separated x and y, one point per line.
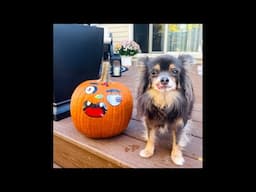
119	32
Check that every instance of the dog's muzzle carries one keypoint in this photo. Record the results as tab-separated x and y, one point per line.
164	80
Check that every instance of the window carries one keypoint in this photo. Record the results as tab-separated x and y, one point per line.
158	37
184	37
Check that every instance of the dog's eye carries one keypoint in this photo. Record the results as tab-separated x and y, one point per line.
90	89
154	72
175	71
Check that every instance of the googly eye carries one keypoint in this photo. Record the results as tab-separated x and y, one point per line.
90	89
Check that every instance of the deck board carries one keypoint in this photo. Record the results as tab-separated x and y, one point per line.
193	149
122	150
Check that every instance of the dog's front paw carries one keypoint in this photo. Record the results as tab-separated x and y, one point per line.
177	158
146	153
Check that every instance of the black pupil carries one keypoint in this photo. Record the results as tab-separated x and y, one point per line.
175	71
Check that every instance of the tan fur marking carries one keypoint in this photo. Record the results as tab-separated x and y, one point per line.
179	122
148	151
173	79
174	140
157	67
171	66
151	141
164	98
176	153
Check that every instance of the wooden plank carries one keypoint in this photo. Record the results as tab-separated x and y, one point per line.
197	116
196	128
193	149
198	107
71	156
121	150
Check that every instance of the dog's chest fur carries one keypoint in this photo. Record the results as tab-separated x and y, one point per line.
163	99
164	105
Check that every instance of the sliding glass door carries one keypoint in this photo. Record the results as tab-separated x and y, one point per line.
175	38
157	35
184	37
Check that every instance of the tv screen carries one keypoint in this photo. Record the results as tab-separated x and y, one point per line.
77	55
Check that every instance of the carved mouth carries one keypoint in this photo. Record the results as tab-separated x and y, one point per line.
94	110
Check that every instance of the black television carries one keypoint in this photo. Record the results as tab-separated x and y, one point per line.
77	57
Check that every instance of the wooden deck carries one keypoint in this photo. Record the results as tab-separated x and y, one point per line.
74	150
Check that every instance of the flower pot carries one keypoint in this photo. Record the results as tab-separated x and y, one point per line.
126	60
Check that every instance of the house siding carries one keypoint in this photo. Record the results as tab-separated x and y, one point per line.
122	32
119	32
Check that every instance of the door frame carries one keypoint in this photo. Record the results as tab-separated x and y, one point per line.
150	36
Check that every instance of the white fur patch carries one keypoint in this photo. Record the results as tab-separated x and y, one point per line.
178	159
184	140
145	153
185	135
163	130
176	155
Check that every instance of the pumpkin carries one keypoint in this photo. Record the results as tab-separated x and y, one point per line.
100	108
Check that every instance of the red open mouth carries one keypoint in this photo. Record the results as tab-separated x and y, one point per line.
94	110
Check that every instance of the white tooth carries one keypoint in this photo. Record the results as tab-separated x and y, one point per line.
101	104
88	103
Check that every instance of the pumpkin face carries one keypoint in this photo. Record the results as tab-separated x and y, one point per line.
101	110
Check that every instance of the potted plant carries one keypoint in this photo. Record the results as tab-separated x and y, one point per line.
127	49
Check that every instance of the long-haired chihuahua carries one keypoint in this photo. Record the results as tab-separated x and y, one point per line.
165	100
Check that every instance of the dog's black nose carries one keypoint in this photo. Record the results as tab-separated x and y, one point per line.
164	80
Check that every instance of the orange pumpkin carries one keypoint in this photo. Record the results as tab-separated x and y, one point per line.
100	108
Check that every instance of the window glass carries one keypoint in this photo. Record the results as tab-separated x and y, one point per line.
184	37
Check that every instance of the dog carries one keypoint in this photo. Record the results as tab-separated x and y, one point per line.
165	101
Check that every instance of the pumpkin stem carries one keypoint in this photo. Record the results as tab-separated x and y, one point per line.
104	78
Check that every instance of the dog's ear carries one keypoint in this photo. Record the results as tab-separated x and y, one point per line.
143	85
184	80
186	86
186	60
144	75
